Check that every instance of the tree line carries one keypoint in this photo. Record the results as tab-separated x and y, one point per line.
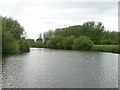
95	31
78	37
81	37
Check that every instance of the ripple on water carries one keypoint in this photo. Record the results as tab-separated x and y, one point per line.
61	68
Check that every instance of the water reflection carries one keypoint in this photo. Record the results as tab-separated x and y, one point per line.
42	68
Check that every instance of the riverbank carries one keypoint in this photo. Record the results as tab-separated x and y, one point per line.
106	48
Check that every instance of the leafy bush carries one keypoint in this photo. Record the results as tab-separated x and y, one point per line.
12	34
14	47
9	44
38	44
106	48
83	43
107	42
55	43
24	46
68	42
60	45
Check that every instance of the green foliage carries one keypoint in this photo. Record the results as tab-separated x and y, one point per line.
48	35
68	42
106	48
9	44
12	36
107	42
71	30
31	42
111	38
24	46
59	45
83	43
55	43
8	24
95	31
38	44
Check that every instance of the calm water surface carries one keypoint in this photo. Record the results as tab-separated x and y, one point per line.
45	68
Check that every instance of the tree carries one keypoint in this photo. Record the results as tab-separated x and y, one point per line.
83	43
24	46
93	31
11	37
47	36
68	41
9	44
55	42
31	42
38	44
40	37
111	37
8	24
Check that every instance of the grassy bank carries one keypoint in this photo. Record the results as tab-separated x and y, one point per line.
106	48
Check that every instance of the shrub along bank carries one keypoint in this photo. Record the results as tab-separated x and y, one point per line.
90	36
83	43
70	43
106	48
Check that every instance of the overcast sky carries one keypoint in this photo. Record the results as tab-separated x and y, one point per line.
38	16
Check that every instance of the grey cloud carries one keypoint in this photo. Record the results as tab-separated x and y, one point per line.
59	14
13	8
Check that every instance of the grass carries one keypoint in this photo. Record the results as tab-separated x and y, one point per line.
107	48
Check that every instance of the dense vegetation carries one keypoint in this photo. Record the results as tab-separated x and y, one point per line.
83	43
37	44
106	48
89	36
13	38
